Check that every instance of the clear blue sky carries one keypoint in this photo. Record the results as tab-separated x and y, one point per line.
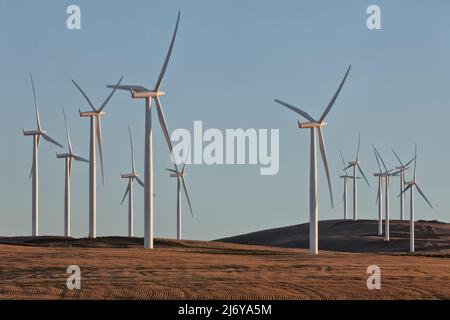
231	59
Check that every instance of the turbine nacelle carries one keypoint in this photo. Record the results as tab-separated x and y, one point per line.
147	94
91	113
34	132
64	155
349	177
310	125
178	175
129	175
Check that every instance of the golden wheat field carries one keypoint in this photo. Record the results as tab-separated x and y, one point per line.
213	270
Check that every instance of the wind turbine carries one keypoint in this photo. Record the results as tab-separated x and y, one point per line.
380	175
69	157
402	169
356	165
316	126
96	129
139	92
36	134
180	180
387	174
131	177
345	178
410	185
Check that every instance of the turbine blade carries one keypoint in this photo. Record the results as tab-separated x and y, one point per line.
410	161
69	143
100	146
404	190
376	157
31	171
423	195
382	161
141	183
362	173
46	137
359	145
78	158
85	96
185	160
166	61
295	109
133	167
333	99
162	122
38	120
398	158
415	161
110	95
343	162
126	192
131	88
171	170
348	167
325	163
187	196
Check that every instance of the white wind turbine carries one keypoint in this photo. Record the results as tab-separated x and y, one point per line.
95	130
180	181
316	126
356	165
402	169
345	178
36	134
380	175
131	177
139	92
410	185
387	174
69	157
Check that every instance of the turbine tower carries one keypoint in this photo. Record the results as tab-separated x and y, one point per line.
387	174
345	178
180	181
402	169
36	134
131	177
139	92
96	129
316	126
356	165
410	185
69	157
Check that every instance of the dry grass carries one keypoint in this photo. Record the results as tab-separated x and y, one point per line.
214	270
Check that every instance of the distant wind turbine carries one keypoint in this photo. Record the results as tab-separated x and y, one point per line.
410	185
387	174
356	165
96	129
69	157
37	134
380	175
402	169
131	177
139	92
180	181
316	126
345	178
